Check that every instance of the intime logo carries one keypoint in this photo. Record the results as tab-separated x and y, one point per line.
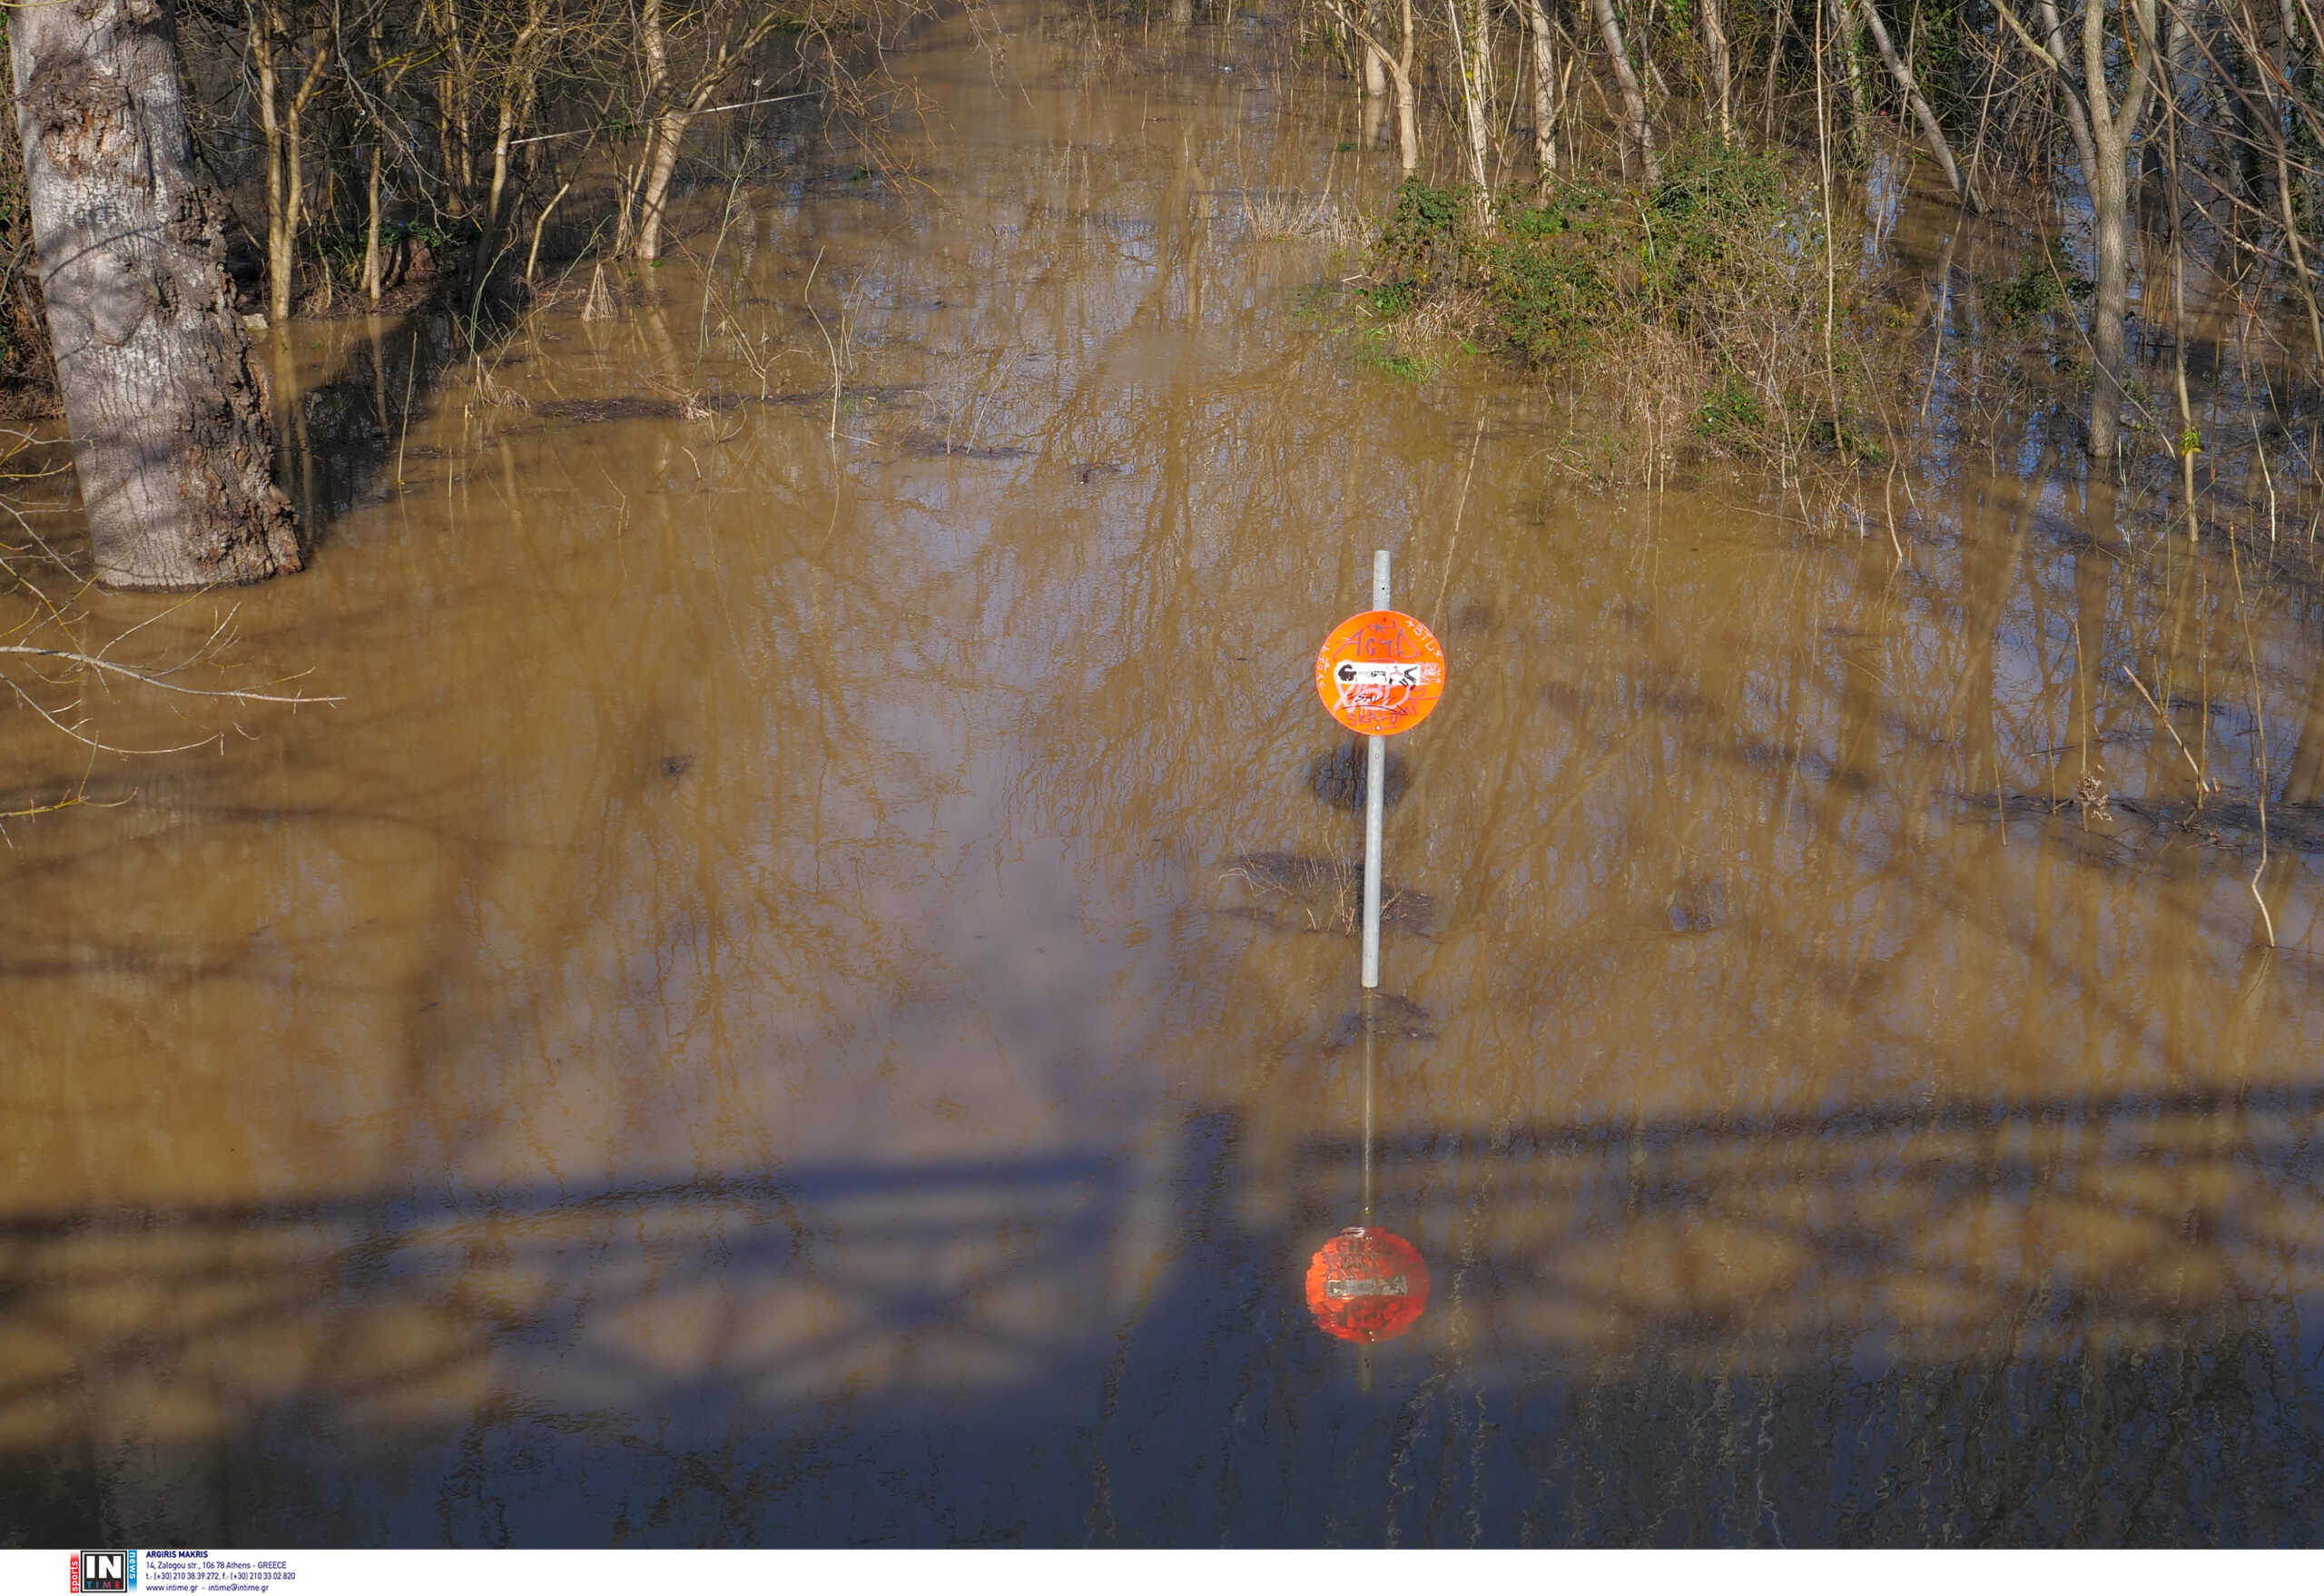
105	1570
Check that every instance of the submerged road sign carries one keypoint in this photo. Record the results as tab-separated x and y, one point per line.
1380	672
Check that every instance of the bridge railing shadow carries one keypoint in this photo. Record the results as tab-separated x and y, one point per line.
1095	1347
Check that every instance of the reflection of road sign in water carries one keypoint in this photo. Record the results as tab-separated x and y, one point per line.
1380	672
1366	1285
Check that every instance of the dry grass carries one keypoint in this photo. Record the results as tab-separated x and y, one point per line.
1297	892
1276	215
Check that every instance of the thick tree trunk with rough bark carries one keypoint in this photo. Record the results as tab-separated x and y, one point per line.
169	432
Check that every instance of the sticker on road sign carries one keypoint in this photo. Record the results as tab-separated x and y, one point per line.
1380	672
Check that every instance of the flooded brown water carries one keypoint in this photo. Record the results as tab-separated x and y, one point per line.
745	1025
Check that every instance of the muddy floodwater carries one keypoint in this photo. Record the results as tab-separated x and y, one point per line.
803	995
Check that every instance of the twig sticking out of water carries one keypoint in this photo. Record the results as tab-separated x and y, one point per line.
2202	785
599	305
2260	734
806	295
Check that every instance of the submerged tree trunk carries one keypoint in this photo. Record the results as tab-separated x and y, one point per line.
170	435
371	231
1399	68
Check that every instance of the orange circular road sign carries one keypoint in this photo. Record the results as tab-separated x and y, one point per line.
1367	1285
1380	672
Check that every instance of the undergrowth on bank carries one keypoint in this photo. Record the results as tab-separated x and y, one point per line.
1696	305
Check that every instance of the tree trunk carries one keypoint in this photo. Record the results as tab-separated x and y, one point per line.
170	435
1407	102
1851	47
1545	92
2111	129
1776	34
2109	209
1722	71
1921	112
1399	68
642	237
1474	53
518	92
1642	130
654	187
371	232
286	185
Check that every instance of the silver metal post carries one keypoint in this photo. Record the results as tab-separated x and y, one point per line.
1375	772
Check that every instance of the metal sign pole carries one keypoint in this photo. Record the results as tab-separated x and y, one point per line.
1375	772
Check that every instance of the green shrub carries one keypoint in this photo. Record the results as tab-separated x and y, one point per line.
1669	290
1731	415
2044	284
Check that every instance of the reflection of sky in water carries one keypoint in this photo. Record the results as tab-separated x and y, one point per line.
743	1027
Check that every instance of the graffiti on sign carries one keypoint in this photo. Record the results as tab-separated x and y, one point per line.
1380	672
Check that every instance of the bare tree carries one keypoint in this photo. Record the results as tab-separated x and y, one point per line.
281	112
1722	71
2103	125
1641	127
1908	86
1548	103
720	41
1398	64
1472	56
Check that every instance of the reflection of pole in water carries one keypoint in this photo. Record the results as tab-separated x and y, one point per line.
1369	1022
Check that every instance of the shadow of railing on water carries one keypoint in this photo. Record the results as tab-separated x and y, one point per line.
1080	1347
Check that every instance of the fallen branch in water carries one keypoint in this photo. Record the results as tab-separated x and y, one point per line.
150	680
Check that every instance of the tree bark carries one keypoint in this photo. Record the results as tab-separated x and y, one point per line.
1641	129
1546	108
371	231
1473	52
1851	48
170	435
1722	71
2111	128
1776	36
